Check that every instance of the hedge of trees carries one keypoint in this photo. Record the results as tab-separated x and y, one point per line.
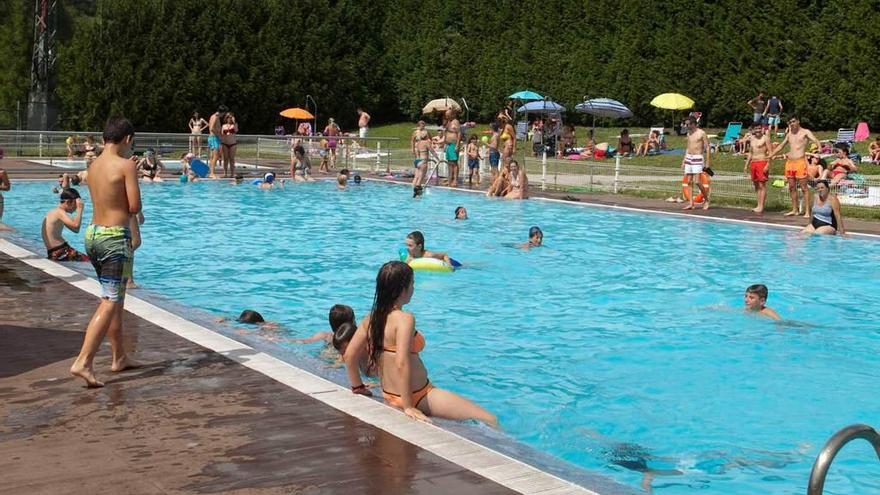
157	60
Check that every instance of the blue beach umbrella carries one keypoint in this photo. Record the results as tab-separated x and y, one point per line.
526	96
543	106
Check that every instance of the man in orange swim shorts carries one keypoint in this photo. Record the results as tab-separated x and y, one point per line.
796	164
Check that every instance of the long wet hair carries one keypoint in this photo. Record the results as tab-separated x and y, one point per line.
394	277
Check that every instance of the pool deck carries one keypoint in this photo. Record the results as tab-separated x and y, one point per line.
23	169
189	421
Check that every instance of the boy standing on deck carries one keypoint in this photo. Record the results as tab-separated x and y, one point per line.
116	197
694	162
757	165
796	162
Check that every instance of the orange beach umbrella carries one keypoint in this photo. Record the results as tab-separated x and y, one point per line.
297	113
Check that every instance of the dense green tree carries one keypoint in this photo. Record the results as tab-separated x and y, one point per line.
158	60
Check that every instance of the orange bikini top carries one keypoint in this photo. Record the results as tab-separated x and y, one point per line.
418	344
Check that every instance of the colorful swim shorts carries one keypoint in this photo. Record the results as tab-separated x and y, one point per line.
494	158
65	253
109	249
796	168
213	142
757	170
451	153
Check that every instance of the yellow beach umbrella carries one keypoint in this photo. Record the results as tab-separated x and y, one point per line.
672	101
297	113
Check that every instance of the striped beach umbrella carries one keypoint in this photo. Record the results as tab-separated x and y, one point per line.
604	107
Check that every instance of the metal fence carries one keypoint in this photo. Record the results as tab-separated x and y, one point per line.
371	153
638	176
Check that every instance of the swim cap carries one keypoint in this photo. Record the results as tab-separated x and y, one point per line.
269	177
485	139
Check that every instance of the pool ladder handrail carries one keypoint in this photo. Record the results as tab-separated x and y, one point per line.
833	446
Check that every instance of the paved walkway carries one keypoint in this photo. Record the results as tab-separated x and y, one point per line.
190	421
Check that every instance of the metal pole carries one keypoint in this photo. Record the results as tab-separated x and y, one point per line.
544	170
41	145
258	153
616	171
378	155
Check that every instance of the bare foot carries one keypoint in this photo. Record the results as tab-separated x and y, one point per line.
131	284
757	210
86	374
688	207
706	205
123	364
806	215
791	213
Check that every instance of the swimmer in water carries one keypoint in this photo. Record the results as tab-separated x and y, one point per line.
341	182
755	300
269	181
461	213
415	248
536	238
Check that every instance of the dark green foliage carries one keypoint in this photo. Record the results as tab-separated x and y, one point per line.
158	60
15	59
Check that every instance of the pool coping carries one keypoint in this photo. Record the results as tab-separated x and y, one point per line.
479	459
635	209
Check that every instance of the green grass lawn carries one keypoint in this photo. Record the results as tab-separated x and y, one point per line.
724	161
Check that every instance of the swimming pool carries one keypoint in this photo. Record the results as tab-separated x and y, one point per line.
170	165
619	347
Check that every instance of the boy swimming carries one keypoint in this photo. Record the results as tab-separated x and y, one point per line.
536	238
755	300
415	248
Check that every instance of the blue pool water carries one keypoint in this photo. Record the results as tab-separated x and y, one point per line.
620	347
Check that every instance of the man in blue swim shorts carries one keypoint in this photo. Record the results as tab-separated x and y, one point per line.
452	129
116	198
214	128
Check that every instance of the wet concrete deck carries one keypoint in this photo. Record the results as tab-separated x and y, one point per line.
190	421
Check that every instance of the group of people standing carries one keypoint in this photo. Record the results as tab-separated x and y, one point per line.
508	180
222	129
820	206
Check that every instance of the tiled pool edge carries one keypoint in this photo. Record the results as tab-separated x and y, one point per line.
490	464
589	204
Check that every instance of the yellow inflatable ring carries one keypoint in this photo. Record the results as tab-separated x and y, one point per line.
431	265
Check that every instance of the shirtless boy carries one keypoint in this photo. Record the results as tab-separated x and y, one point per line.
796	162
116	197
363	123
494	155
757	166
694	163
452	138
57	249
755	300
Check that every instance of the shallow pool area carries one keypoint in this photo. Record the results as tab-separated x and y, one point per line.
620	346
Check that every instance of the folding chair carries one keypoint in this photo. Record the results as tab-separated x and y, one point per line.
730	135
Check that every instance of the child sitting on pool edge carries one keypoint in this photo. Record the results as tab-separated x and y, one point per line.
755	300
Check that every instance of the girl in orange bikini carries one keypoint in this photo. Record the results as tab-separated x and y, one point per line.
392	343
